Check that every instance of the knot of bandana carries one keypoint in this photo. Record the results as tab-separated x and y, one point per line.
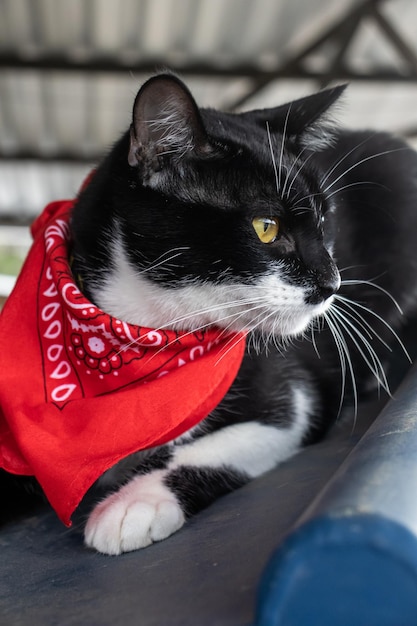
79	389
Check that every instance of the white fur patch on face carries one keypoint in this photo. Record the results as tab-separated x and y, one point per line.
270	305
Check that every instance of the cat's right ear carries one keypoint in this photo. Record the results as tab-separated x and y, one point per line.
166	126
303	120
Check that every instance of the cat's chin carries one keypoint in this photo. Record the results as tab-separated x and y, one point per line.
291	325
281	330
316	312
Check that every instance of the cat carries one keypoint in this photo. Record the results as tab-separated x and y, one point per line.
273	222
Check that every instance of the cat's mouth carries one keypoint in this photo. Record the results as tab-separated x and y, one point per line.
315	311
282	322
276	308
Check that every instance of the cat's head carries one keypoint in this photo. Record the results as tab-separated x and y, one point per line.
222	220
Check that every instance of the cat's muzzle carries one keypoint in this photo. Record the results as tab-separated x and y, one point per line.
324	288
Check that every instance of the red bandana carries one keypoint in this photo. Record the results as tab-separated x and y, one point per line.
80	390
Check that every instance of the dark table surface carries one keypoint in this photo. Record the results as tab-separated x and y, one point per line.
205	575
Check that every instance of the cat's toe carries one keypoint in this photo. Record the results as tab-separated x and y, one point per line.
103	528
169	518
140	513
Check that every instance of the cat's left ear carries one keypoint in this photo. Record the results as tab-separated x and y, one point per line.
303	119
166	125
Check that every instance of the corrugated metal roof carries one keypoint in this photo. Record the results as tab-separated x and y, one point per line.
67	87
136	29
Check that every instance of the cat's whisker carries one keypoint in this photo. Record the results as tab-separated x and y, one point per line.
302	210
191	316
373	284
360	319
274	165
315	325
349	320
358	163
343	158
280	341
384	322
299	155
308	196
233	316
297	173
336	191
369	356
345	359
260	340
284	137
347	268
172	323
170	251
164	258
355	184
234	341
328	319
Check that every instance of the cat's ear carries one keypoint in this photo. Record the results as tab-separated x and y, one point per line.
166	124
303	120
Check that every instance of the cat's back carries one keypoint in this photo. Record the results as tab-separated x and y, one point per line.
371	180
362	162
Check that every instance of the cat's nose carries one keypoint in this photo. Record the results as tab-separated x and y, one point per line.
323	289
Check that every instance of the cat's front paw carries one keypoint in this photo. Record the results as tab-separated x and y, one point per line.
141	512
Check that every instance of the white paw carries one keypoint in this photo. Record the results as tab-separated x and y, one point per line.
141	512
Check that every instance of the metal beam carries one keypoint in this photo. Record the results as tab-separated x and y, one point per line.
405	51
293	69
58	156
343	39
341	33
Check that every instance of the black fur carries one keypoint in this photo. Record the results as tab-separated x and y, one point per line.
196	488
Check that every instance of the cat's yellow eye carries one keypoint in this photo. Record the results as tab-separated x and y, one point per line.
267	228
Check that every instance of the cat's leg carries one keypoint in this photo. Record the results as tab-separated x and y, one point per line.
152	506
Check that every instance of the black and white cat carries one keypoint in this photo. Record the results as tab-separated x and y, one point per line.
269	221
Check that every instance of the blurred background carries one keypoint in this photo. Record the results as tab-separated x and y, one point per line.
70	69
